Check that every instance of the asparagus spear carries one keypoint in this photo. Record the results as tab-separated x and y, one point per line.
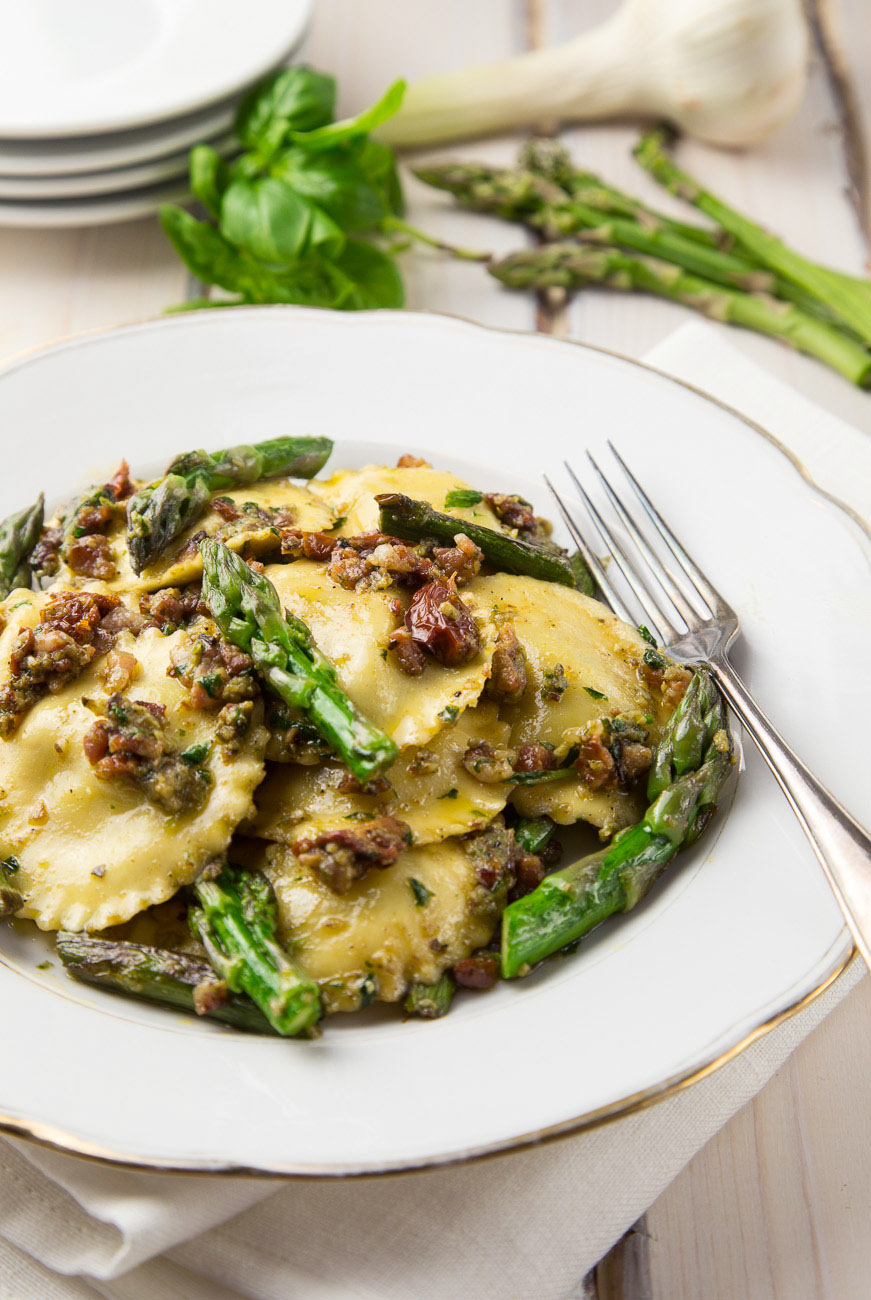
548	158
10	901
589	214
246	608
847	296
171	978
569	903
415	520
19	533
236	923
584	580
161	511
431	1000
571	266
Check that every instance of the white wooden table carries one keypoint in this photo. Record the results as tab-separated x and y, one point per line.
779	1203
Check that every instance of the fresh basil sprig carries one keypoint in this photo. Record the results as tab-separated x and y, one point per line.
294	218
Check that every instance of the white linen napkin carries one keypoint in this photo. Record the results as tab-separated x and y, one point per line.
76	1230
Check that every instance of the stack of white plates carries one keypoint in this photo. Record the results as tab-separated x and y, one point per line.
100	100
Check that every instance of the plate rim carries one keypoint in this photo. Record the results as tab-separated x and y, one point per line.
55	1138
294	34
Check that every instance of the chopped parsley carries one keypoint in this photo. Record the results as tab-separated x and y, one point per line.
595	695
449	713
211	684
422	895
555	683
9	866
654	659
194	754
463	497
647	634
450	794
118	712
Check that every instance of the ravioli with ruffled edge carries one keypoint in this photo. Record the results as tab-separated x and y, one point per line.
90	854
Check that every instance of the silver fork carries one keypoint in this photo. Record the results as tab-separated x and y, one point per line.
689	616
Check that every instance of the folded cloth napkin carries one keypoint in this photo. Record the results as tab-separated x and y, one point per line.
74	1230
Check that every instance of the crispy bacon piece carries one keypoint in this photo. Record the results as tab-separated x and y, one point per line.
215	672
130	745
507	681
45	658
343	856
535	758
91	556
479	972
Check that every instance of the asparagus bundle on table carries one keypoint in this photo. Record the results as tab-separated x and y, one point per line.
173	979
246	608
589	214
572	266
847	296
159	512
690	765
736	272
415	521
236	923
19	533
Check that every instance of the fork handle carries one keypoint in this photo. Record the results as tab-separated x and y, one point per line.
841	844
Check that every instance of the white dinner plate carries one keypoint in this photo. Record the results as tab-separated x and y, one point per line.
113	181
97	65
94	210
739	931
99	152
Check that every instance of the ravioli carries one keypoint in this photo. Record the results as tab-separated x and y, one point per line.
351	494
377	939
91	853
601	657
180	566
353	629
430	790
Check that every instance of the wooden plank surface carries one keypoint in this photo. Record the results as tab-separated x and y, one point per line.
779	1204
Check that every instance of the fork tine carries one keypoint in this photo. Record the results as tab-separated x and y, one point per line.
704	588
592	560
663	574
645	597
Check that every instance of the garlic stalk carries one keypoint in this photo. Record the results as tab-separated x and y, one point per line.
727	71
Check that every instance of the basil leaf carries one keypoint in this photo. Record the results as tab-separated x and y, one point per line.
297	99
205	252
267	218
324	235
210	176
372	277
328	137
336	183
378	163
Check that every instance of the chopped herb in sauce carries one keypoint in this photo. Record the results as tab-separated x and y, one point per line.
460	497
422	895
